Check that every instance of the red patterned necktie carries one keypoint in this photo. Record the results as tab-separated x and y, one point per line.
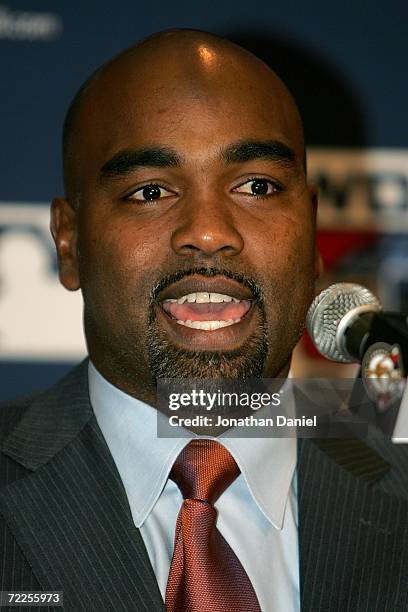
205	574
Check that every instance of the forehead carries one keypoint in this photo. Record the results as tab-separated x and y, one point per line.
194	106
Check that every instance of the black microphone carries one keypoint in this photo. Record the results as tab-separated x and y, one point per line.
345	320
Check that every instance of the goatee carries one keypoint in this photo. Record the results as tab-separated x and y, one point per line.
168	361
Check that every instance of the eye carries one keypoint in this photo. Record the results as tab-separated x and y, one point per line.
149	193
258	187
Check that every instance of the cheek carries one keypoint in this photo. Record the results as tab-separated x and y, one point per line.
118	270
300	267
285	259
284	250
111	247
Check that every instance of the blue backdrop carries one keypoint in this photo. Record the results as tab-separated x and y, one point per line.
346	66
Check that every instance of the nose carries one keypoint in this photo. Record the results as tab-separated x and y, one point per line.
207	227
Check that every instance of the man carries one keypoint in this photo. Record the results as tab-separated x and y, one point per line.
189	226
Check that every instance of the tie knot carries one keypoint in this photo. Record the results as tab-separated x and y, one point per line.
203	470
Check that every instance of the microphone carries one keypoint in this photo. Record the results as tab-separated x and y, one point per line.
346	319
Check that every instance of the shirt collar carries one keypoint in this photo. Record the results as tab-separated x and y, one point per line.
144	460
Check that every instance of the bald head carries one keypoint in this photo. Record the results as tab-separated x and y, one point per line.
186	155
189	64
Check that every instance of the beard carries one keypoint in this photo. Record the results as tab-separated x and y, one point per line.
168	361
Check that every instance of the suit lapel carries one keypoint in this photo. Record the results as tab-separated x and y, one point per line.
352	537
70	516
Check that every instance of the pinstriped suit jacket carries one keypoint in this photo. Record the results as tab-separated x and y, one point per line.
65	523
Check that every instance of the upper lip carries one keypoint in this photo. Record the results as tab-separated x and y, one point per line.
215	284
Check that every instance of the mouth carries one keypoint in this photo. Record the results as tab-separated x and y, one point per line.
209	313
205	310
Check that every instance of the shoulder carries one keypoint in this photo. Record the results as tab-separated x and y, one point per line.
33	428
11	413
395	482
394	454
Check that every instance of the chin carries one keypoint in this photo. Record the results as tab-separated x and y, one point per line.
168	361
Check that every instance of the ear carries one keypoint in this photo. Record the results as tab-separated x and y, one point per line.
64	230
314	198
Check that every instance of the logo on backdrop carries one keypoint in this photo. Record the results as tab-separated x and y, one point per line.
361	189
29	25
39	319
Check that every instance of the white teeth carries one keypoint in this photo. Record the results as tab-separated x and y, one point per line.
204	297
217	297
208	325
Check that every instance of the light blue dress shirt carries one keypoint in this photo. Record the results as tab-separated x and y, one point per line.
257	514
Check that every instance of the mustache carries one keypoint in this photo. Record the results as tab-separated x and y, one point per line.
169	279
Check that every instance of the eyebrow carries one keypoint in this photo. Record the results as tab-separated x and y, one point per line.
124	162
249	150
129	159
